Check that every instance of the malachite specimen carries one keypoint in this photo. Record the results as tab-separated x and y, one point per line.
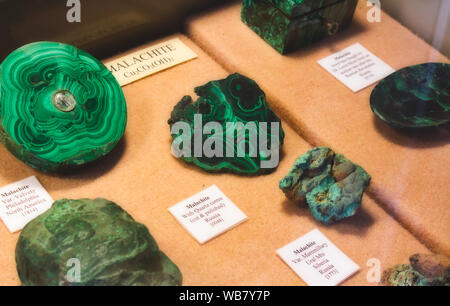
423	270
245	135
288	25
414	97
332	185
59	106
108	245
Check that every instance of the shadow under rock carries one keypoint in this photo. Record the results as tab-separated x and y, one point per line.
330	42
357	224
414	138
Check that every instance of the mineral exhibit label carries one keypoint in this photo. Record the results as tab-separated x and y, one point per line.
317	260
207	214
356	67
150	60
22	201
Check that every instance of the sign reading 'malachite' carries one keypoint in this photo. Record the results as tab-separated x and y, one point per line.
230	128
59	106
93	243
423	270
414	97
332	185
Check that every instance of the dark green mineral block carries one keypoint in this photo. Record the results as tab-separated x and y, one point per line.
288	25
414	97
247	135
423	270
332	185
59	106
110	247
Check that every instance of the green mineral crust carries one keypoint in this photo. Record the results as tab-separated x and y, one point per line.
414	97
59	106
110	247
332	185
288	25
423	270
232	104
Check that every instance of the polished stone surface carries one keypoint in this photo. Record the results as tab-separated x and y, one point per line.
288	25
414	97
111	248
59	106
231	103
332	185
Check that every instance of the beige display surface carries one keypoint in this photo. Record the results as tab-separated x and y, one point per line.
411	172
144	178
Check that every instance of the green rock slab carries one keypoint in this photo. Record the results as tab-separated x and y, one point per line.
60	107
233	100
111	247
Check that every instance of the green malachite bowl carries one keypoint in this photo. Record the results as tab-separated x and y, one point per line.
414	97
59	106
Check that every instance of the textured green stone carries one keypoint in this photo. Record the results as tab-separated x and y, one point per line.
288	25
414	97
332	185
236	99
111	247
59	106
423	270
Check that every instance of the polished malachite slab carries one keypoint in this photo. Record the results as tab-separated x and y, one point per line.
332	185
414	97
110	247
230	102
423	270
59	106
288	25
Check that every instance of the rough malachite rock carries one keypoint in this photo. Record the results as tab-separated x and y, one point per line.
288	25
414	97
332	185
59	106
112	249
423	270
231	103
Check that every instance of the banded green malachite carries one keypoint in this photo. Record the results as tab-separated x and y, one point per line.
414	97
59	106
110	247
332	185
288	25
232	103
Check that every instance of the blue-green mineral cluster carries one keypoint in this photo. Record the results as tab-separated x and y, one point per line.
423	270
331	184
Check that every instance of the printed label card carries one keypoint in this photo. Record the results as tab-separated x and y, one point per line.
207	214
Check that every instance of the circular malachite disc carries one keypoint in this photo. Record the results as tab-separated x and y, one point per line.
59	106
414	97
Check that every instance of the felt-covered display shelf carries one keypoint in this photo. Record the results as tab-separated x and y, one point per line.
145	179
410	171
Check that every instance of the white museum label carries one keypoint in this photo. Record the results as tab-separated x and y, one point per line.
22	201
356	67
148	61
207	214
317	260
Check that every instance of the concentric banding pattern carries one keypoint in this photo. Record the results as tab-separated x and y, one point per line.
234	103
41	135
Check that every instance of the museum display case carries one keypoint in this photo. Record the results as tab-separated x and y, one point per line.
202	143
